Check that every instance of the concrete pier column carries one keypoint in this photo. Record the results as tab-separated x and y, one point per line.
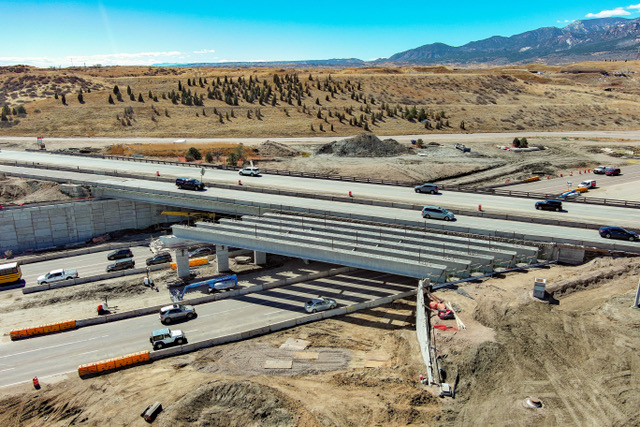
259	258
182	262
222	257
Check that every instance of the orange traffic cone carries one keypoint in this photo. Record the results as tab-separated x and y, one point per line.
36	383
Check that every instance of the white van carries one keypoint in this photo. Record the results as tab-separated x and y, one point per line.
589	183
436	212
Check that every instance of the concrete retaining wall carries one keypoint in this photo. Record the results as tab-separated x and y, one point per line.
47	226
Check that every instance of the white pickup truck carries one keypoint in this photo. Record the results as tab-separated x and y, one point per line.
57	275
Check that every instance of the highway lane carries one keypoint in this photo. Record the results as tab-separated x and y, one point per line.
597	214
604	215
87	264
60	353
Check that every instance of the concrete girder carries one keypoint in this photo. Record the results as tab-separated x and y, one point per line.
523	251
401	267
480	263
455	266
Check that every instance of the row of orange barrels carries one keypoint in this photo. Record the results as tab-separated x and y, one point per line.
96	368
17	334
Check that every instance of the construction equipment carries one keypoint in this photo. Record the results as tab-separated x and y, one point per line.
217	284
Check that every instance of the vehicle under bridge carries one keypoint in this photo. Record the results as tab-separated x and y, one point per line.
419	254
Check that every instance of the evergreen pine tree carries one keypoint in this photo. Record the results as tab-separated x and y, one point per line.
111	99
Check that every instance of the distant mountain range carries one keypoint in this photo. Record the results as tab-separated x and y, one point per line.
588	40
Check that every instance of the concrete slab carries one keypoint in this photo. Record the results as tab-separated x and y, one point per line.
306	355
294	344
278	364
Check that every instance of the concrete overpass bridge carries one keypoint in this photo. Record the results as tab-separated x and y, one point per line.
418	254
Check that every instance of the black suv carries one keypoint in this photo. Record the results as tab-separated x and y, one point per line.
121	264
549	205
159	258
119	254
189	184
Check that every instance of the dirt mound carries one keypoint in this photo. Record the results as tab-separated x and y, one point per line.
231	403
276	149
15	190
364	145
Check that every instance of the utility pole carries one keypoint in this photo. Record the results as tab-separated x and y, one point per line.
635	304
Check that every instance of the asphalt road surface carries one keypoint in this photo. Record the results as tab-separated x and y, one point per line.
87	265
64	352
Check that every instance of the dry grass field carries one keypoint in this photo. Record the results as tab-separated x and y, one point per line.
317	102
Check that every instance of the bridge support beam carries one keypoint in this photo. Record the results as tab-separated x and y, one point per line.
259	257
222	258
182	263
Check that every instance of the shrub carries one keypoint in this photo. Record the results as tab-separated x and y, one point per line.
194	153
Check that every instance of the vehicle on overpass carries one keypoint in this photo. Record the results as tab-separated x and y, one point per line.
57	275
10	273
612	171
426	188
571	194
600	170
177	312
161	338
189	184
589	183
549	205
618	233
320	304
436	212
250	171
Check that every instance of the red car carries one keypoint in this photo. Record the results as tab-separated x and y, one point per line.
612	171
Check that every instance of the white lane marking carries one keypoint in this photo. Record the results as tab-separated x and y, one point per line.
53	346
8	369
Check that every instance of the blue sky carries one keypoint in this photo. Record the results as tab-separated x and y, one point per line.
48	33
